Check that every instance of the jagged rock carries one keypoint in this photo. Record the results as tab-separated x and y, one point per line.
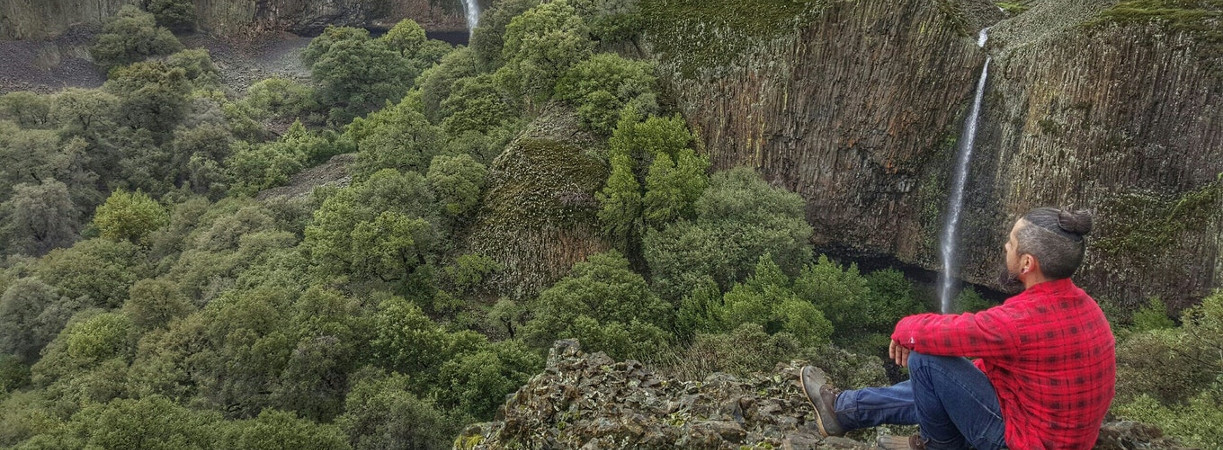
590	401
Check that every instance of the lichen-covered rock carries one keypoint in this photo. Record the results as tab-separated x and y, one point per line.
589	401
539	215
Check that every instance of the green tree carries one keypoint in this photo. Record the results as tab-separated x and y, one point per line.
39	218
394	138
129	216
477	383
380	412
31	315
621	202
540	45
26	109
153	303
84	112
198	66
605	305
436	83
487	40
99	270
279	99
153	96
406	37
390	214
767	298
602	85
130	36
177	15
274	429
476	104
457	183
356	74
738	219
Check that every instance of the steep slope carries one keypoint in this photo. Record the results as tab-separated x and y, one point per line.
857	107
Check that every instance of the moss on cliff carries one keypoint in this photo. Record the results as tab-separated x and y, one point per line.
1201	19
710	33
1147	227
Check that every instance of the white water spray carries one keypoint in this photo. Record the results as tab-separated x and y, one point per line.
472	8
956	202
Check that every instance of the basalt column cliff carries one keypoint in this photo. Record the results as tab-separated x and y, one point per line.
857	106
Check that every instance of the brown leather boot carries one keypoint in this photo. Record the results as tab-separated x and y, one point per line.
914	442
824	399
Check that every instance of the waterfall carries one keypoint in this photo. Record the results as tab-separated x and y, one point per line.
472	8
947	245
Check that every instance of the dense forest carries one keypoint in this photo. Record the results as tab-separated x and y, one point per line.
155	295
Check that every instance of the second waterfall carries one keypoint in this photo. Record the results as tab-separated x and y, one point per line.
955	204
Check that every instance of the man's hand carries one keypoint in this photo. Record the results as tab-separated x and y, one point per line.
899	354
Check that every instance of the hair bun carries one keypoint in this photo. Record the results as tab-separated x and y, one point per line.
1075	222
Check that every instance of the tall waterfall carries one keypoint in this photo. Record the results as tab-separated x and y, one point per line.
956	201
472	8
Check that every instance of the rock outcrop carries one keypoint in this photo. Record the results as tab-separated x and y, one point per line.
590	401
857	107
234	19
539	214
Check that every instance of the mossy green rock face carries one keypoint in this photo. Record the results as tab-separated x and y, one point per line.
857	106
539	216
234	19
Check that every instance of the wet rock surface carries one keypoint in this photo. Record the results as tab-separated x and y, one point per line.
590	401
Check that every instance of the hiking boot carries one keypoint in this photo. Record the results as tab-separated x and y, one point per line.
914	442
824	399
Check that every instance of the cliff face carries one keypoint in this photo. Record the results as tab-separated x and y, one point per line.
857	106
36	20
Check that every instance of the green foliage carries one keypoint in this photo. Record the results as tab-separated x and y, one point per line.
969	300
178	15
38	218
1013	8
356	219
612	21
476	104
738	219
457	183
31	315
744	350
255	167
101	337
540	45
280	99
487	40
274	429
1172	366
1185	422
129	216
769	299
153	303
26	109
1152	316
197	64
436	83
478	382
380	412
407	37
701	34
13	375
153	95
406	340
397	138
130	36
100	270
602	85
604	305
84	112
356	74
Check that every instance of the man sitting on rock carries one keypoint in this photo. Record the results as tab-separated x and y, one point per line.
1046	367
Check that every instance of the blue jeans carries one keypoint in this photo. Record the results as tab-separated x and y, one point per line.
949	398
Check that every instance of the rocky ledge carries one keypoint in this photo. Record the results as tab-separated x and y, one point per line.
591	401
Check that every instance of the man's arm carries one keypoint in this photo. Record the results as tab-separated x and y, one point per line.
983	334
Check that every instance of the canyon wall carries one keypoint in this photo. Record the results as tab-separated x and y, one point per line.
857	106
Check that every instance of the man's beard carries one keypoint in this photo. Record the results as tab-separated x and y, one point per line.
1009	282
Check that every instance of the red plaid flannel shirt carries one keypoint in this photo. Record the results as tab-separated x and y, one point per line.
1048	352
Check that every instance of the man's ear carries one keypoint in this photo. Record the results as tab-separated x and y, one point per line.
1029	263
